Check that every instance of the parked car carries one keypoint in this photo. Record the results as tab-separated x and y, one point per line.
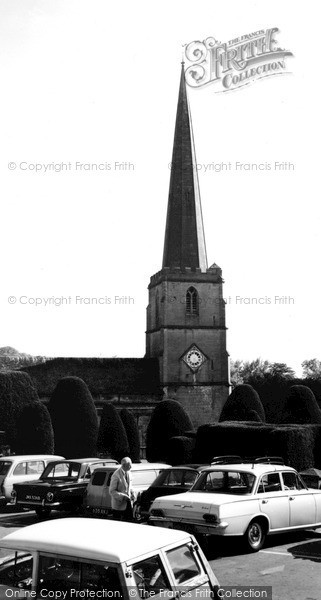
60	487
174	480
90	557
250	500
25	467
97	500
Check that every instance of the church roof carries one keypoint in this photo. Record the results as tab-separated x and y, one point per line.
184	236
114	376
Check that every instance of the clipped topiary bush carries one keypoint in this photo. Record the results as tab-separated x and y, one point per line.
243	439
112	438
16	392
180	450
254	416
295	444
301	406
132	433
169	419
74	419
35	432
240	403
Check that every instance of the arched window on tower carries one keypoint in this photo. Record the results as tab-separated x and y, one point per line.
192	302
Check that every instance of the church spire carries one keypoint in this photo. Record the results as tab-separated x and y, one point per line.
184	236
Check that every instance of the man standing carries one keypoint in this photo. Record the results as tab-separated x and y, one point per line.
121	491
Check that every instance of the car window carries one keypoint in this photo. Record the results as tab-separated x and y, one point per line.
173	478
292	482
66	574
35	467
183	564
270	482
4	467
225	482
20	469
98	478
143	477
189	478
17	572
70	470
150	577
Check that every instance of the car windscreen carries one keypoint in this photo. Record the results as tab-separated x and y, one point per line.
62	470
224	482
4	467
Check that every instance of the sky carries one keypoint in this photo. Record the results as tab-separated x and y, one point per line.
96	82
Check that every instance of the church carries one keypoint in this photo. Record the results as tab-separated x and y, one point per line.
186	357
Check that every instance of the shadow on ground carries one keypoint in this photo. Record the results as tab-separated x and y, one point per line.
216	547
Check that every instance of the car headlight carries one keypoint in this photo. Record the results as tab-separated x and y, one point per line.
49	497
13	494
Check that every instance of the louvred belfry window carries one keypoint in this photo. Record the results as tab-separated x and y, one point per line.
192	301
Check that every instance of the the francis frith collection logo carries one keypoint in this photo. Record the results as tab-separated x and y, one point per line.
235	63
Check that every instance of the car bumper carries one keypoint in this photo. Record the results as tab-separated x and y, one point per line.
190	526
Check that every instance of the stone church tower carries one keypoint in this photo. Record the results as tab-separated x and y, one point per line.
186	329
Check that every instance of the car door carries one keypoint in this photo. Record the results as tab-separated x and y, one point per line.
302	506
188	571
274	501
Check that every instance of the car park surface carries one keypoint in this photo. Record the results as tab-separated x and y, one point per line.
249	500
61	486
18	468
80	555
97	500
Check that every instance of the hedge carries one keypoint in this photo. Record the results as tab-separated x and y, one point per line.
298	445
169	419
132	433
241	403
35	432
74	419
16	392
112	438
180	450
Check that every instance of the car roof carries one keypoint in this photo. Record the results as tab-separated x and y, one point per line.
256	469
14	457
86	460
96	539
137	467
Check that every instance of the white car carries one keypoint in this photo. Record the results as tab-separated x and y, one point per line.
25	467
91	558
243	499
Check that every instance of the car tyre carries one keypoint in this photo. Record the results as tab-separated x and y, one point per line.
255	535
42	512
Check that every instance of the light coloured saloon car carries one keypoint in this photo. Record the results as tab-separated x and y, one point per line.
91	558
243	499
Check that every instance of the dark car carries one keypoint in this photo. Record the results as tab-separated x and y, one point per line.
170	481
60	487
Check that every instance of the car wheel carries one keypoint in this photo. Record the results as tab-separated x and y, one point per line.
42	512
255	536
137	513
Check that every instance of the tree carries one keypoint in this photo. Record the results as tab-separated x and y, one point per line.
35	432
132	432
241	403
301	406
312	368
112	437
259	371
74	418
16	392
169	419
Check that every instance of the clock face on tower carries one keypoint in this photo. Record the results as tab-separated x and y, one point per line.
194	358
